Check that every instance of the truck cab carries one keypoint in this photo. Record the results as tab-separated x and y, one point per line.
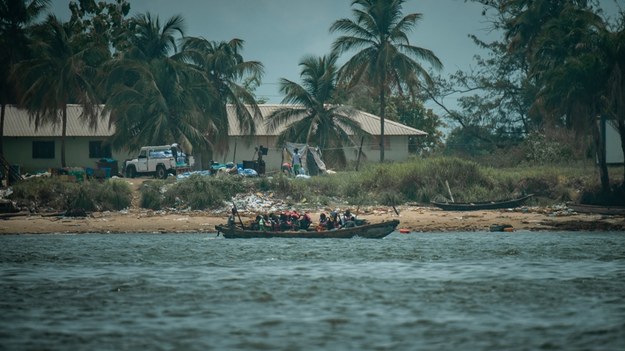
158	161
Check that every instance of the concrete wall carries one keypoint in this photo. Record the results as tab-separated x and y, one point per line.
613	149
397	150
18	151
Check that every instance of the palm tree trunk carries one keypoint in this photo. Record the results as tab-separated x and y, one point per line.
382	109
621	130
2	112
63	134
599	140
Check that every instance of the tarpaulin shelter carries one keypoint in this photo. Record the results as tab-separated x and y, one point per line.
311	157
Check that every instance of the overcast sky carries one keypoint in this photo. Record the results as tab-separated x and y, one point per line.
279	33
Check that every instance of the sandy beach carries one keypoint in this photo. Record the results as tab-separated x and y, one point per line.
413	218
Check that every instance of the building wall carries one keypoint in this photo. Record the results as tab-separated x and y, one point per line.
613	149
396	150
18	151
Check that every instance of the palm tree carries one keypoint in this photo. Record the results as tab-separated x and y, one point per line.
314	119
569	61
59	73
615	96
154	96
386	58
15	17
225	70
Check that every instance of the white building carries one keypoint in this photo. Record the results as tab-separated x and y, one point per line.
34	149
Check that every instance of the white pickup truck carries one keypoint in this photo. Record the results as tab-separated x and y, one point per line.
158	161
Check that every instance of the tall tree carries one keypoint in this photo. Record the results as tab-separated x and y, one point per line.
386	58
60	73
154	96
227	74
570	60
15	18
614	43
411	112
314	119
567	61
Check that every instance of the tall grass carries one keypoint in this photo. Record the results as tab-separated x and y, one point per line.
55	194
418	180
196	192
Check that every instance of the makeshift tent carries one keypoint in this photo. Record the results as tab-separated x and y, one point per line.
311	157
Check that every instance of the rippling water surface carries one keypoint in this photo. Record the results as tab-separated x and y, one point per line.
477	291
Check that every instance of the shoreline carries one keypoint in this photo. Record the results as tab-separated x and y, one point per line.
413	218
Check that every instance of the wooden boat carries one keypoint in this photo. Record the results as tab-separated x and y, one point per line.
486	205
598	209
369	231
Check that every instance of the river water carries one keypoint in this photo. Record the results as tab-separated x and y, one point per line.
431	291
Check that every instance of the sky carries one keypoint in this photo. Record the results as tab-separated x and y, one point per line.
279	33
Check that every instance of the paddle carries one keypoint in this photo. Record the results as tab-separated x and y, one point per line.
238	215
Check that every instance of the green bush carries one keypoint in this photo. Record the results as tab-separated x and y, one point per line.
392	183
55	194
114	195
151	195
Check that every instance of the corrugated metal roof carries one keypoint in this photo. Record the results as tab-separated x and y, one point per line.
19	124
369	123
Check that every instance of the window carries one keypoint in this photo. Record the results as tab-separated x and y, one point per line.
43	149
375	142
97	149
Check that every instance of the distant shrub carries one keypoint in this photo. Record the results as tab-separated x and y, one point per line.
114	195
151	195
55	194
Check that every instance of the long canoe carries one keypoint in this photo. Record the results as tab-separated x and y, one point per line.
598	209
486	205
369	231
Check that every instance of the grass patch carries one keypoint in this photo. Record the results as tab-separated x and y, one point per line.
388	184
54	194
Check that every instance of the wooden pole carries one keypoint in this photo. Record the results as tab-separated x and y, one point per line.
449	191
362	139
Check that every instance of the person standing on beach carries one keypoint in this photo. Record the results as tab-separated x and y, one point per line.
297	161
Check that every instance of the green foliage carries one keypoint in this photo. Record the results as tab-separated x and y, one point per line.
412	113
384	61
542	150
44	194
84	198
196	192
151	195
389	184
316	119
114	195
55	194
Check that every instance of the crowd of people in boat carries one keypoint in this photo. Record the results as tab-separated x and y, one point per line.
294	221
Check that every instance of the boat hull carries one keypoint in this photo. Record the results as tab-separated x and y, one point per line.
476	206
369	231
597	209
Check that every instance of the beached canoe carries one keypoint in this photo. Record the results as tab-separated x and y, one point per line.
370	231
486	205
598	209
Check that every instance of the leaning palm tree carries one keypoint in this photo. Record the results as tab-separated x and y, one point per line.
15	17
154	96
60	73
386	58
314	119
224	69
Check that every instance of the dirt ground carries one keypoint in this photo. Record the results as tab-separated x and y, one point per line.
412	218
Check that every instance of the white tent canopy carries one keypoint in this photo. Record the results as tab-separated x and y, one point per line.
311	157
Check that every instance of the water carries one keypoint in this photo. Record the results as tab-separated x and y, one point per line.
469	291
